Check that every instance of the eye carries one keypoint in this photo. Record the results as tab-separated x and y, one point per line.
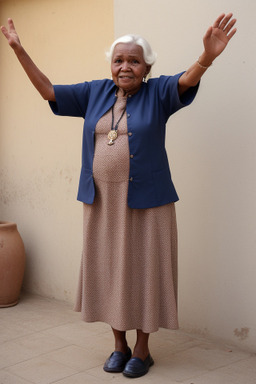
135	61
117	61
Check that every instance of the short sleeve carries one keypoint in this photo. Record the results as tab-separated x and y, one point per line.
71	100
169	94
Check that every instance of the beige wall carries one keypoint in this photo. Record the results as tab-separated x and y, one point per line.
39	153
211	147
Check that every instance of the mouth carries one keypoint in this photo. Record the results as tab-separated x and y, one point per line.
125	77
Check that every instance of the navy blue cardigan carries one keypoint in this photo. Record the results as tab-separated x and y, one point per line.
150	182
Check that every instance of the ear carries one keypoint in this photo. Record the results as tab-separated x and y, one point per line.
148	68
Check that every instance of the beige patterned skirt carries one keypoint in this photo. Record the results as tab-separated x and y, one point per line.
128	275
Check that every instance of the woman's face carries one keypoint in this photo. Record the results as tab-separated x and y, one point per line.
128	67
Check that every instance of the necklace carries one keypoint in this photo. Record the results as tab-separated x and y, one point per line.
112	135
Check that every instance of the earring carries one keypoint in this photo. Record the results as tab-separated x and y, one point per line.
145	79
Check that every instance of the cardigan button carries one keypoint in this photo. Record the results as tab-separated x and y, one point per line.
131	156
128	114
129	133
131	179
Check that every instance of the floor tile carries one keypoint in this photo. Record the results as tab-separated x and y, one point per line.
41	371
82	378
243	371
38	314
152	377
175	368
8	378
12	353
28	347
10	331
100	374
238	373
76	357
209	357
78	332
39	343
42	341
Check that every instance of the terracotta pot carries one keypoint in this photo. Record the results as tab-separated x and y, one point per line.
12	264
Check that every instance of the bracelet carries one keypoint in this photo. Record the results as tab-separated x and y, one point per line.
202	66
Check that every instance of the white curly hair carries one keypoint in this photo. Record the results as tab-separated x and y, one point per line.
148	54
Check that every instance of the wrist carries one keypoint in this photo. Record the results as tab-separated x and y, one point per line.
205	60
18	49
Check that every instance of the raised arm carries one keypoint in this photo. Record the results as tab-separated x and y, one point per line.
215	41
38	79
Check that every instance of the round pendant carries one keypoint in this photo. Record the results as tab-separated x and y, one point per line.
112	135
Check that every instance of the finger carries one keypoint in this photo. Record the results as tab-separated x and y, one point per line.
218	20
225	21
230	25
5	32
11	25
231	34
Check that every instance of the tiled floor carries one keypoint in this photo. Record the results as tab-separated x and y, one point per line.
43	341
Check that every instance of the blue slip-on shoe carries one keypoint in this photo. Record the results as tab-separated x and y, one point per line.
137	367
117	361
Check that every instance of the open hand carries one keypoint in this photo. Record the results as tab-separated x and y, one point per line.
218	35
11	34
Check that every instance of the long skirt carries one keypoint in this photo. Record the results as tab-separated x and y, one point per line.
128	275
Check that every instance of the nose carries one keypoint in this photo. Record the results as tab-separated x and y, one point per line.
125	66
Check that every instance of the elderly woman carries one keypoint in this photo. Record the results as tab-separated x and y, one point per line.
128	275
